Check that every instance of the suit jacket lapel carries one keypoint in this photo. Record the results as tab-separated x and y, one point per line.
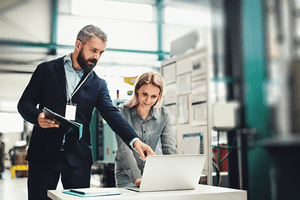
61	74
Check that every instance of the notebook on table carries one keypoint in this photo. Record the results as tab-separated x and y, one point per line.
171	172
91	192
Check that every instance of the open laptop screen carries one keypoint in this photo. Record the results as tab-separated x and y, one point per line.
171	172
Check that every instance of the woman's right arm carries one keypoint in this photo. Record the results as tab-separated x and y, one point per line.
126	158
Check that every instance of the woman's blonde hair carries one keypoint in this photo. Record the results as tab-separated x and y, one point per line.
145	79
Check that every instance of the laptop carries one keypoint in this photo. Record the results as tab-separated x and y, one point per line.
171	172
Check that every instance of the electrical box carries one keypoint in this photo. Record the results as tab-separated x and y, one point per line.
109	139
224	116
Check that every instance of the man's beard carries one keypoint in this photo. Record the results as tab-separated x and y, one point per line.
83	63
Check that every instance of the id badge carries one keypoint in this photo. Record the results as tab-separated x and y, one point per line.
71	112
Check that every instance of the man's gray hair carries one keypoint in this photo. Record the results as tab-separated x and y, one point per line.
89	31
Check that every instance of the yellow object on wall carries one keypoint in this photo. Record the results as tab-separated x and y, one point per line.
130	80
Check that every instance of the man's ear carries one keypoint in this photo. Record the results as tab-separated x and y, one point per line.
78	43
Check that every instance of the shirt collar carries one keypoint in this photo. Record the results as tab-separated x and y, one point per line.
68	58
151	114
68	64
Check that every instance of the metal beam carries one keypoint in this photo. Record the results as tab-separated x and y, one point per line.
54	26
57	46
159	10
34	44
8	71
53	46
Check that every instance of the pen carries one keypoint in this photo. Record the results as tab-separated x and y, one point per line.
76	191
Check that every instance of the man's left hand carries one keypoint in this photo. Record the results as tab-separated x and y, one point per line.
143	149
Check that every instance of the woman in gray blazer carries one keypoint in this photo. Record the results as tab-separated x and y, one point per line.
152	123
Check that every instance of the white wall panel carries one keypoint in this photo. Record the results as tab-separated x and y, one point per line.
28	21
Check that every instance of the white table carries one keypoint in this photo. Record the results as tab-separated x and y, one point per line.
203	192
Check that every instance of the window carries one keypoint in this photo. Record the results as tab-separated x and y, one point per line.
186	16
112	10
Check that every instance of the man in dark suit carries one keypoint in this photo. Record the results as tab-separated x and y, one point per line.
69	87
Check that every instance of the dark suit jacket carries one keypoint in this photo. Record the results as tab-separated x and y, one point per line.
47	88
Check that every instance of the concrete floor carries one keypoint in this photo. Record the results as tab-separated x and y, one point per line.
16	188
12	189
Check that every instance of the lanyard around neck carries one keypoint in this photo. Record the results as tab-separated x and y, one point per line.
71	95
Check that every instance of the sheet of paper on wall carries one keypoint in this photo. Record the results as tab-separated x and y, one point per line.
199	65
184	84
198	91
171	94
172	111
199	114
191	143
169	73
183	110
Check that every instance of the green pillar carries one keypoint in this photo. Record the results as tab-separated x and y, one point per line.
54	26
256	110
159	8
